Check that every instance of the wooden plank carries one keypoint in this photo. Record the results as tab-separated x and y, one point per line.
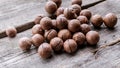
12	56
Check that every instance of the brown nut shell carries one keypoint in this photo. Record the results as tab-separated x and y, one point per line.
79	2
76	8
46	23
64	34
92	37
60	11
50	34
74	25
58	2
11	32
37	29
37	40
86	13
70	46
56	44
45	50
110	20
54	23
62	22
25	43
79	38
85	28
97	20
83	19
51	7
38	18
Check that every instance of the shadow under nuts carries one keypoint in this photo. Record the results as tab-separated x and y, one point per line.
79	38
46	23
97	20
86	13
70	46
62	22
110	20
50	7
37	39
92	37
56	44
64	34
25	43
50	34
37	29
85	28
83	19
45	50
79	2
74	25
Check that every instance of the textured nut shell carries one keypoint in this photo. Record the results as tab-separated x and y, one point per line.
37	40
54	23
11	32
59	11
37	29
61	22
86	13
38	18
110	20
58	2
96	20
45	50
25	43
50	7
70	46
64	34
74	25
92	37
69	13
83	19
85	28
79	38
56	44
79	2
46	23
50	34
76	8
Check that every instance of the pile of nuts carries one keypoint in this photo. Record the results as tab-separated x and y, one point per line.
70	30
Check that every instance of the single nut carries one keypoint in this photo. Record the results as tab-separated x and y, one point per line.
58	2
110	20
38	19
85	28
76	8
61	22
92	37
56	44
86	13
11	32
79	38
45	50
70	46
59	11
79	2
50	7
74	25
69	13
46	23
37	40
25	43
83	19
96	20
50	34
64	34
37	29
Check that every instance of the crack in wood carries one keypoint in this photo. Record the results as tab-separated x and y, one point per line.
29	25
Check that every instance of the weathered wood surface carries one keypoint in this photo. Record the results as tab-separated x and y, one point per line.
11	56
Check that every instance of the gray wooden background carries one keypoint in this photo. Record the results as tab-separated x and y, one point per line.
17	12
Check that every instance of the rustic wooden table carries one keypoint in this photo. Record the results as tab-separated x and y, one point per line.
18	12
